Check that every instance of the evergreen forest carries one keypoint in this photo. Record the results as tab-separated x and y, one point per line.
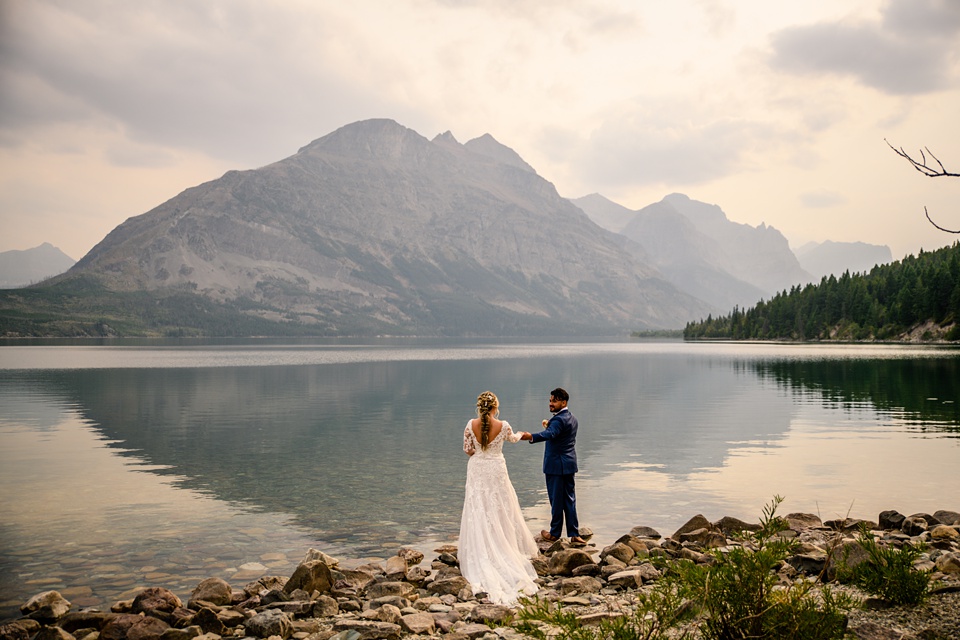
887	303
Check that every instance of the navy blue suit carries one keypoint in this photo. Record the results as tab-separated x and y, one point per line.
560	467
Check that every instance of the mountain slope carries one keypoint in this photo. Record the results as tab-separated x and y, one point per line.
375	229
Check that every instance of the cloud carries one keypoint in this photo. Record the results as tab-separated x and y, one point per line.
645	151
907	52
235	80
822	199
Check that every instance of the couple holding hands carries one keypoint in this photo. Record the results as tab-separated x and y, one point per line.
495	545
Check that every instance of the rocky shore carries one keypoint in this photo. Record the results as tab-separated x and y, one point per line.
403	597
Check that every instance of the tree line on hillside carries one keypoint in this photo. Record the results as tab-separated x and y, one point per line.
879	305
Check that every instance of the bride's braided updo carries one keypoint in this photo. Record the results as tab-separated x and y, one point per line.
487	404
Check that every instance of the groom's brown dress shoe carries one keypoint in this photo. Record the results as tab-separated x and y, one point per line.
546	536
577	541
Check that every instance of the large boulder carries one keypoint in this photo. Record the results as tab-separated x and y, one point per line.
314	554
271	622
847	555
156	599
914	525
890	520
562	563
390	588
947	517
447	586
47	606
944	532
730	526
949	563
133	627
704	538
802	521
694	523
313	575
645	532
622	552
213	590
421	623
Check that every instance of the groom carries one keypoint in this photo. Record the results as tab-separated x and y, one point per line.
560	467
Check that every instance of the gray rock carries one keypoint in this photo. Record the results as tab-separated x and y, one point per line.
471	629
325	607
588	569
46	606
890	520
389	613
810	564
154	599
948	563
208	621
947	517
393	588
13	631
53	633
645	532
396	568
419	623
564	562
181	634
369	629
803	521
729	526
397	601
944	532
412	556
133	627
313	575
269	623
704	538
262	585
490	613
213	590
447	586
648	572
848	554
629	579
694	523
622	552
314	554
914	525
580	584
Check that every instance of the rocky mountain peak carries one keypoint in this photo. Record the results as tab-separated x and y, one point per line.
487	145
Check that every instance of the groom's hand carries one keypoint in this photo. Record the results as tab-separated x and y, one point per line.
525	435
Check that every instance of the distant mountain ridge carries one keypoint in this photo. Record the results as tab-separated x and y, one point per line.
22	267
834	258
702	252
375	229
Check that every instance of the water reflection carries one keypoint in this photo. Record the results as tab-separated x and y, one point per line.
925	392
359	449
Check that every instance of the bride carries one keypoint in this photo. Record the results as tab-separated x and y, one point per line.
495	545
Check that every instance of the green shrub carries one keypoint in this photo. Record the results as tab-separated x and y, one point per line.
734	598
741	598
888	573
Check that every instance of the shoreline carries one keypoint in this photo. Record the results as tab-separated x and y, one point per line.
404	596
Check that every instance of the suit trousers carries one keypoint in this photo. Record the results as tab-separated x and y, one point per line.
561	489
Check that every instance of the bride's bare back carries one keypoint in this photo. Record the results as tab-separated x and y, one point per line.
476	425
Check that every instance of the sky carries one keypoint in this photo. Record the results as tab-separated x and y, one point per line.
778	112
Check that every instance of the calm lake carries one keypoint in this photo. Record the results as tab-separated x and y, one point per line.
160	463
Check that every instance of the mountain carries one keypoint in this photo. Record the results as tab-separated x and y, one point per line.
374	229
19	268
700	251
606	213
834	258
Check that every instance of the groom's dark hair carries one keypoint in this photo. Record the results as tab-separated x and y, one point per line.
560	394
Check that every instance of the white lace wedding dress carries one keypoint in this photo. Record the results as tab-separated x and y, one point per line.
495	545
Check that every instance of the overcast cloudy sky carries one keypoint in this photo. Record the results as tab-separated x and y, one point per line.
776	111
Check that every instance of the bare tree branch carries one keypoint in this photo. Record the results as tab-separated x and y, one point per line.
923	166
936	225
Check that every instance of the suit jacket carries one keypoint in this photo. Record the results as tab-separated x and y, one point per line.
560	453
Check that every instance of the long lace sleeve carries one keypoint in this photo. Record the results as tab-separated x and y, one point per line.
509	434
468	447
